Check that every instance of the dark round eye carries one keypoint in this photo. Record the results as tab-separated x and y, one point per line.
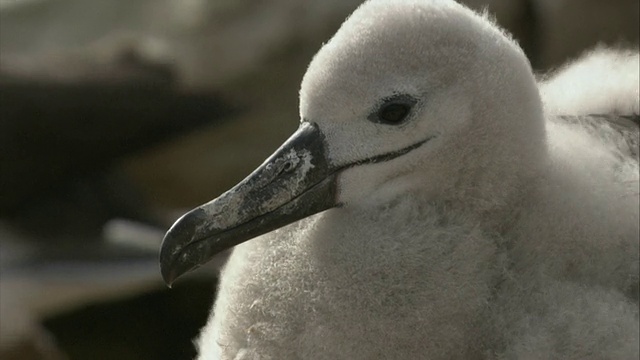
393	110
394	113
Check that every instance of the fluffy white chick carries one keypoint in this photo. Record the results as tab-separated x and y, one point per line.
469	223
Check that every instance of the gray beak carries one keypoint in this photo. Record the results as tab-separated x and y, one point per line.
295	182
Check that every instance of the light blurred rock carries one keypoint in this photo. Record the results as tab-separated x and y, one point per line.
209	42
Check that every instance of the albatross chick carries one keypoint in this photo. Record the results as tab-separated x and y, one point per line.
428	207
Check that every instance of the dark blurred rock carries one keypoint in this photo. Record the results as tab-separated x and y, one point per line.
79	207
155	326
198	167
54	132
567	28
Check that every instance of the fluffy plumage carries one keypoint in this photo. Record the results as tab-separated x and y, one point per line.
512	234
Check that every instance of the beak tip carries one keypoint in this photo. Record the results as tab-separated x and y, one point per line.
173	262
171	271
168	275
172	266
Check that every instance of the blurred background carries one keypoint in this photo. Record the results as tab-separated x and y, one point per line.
118	115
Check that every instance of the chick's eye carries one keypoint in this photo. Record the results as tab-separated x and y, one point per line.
394	111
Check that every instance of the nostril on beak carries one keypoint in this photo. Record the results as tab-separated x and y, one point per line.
288	166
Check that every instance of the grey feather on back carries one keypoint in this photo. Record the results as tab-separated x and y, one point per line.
622	131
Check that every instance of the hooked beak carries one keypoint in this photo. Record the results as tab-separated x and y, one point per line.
295	182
